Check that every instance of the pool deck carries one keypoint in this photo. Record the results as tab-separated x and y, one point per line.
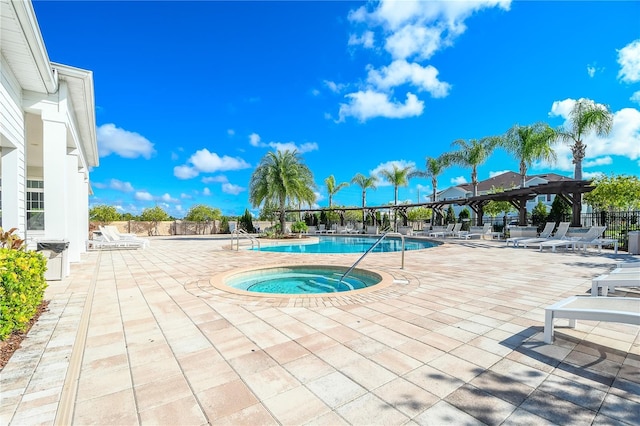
142	337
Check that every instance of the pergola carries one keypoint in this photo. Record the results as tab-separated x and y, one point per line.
568	190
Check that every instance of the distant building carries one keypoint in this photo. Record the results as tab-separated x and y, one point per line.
47	136
506	181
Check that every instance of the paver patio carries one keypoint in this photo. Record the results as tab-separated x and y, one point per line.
141	337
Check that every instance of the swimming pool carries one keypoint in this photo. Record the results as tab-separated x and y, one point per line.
302	279
349	244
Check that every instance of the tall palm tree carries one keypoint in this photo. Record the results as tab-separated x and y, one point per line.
397	176
528	144
434	168
586	116
472	154
332	188
281	176
365	183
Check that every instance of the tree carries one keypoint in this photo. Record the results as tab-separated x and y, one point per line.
200	213
365	183
539	215
586	116
279	177
560	209
451	215
528	144
103	214
613	192
472	154
434	168
419	213
332	188
494	208
246	222
154	215
397	176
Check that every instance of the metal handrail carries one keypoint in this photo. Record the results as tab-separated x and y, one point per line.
395	234
238	232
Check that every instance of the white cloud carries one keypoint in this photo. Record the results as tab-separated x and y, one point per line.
591	71
591	175
185	172
206	191
216	179
143	196
401	164
167	198
629	60
315	92
319	196
231	132
414	39
229	188
291	146
126	144
99	185
174	156
635	97
119	185
400	72
602	161
208	162
254	139
460	180
185	196
498	173
366	40
370	104
334	87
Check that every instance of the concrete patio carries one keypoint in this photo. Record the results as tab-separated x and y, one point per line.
141	337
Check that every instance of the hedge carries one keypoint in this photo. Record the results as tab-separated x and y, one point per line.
21	290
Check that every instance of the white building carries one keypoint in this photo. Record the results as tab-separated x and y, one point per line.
47	136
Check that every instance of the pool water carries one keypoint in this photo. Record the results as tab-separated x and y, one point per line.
351	244
302	280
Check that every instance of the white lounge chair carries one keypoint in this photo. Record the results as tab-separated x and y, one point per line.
455	232
610	309
609	282
129	240
560	234
593	233
443	232
599	242
486	230
546	233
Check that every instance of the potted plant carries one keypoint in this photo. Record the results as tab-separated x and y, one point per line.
299	228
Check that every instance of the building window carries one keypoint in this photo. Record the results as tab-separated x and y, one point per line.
35	205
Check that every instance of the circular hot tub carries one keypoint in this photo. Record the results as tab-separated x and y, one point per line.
319	280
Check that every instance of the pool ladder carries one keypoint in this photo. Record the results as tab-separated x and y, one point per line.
237	233
393	234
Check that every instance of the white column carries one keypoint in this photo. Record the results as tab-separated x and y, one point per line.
54	141
73	216
83	208
13	190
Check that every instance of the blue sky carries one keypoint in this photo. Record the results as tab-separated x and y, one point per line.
191	95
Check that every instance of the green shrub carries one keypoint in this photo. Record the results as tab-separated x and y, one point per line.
21	289
299	227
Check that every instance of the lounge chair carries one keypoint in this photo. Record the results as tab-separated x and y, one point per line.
443	232
546	233
593	233
609	282
560	234
128	241
599	242
611	309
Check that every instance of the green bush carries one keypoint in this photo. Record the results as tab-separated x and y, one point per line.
21	289
299	227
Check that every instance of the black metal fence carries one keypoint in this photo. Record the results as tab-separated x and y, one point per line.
618	224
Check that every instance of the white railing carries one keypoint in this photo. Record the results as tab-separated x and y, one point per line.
394	234
237	233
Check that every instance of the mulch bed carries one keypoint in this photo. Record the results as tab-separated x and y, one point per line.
13	341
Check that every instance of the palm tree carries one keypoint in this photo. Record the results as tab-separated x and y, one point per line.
364	182
434	168
332	188
281	175
397	176
528	144
472	154
586	116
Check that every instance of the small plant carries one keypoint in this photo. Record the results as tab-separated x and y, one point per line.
299	227
11	241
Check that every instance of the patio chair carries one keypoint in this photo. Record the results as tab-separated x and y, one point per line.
546	233
486	230
593	233
599	242
560	234
610	309
455	232
609	282
124	240
442	233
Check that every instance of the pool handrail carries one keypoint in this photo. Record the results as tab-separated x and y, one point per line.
394	234
241	232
